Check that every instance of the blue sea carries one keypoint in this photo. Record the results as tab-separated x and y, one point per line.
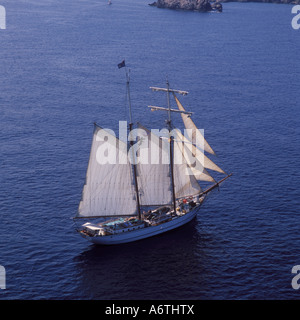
59	75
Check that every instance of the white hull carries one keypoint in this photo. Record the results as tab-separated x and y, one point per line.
143	232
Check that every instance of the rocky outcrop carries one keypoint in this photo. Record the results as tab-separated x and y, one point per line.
194	5
206	5
217	6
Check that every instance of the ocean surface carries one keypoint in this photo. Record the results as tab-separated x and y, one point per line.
59	75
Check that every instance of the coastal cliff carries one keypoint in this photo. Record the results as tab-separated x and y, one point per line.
191	5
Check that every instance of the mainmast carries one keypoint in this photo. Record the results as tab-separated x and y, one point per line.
169	122
122	64
171	138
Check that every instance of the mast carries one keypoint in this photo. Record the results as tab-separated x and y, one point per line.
131	144
171	147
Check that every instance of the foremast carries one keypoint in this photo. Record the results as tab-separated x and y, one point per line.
130	127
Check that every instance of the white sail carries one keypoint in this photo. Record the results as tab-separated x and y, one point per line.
195	167
185	182
108	189
153	173
195	135
199	156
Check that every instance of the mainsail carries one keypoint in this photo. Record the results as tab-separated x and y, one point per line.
153	173
108	189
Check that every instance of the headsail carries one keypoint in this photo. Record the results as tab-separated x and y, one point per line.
185	182
195	135
195	167
108	189
198	154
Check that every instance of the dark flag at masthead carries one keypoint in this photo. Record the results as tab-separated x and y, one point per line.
122	64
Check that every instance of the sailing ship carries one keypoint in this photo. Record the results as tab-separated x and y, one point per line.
140	199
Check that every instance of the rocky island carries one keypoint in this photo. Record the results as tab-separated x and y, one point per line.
191	5
206	5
